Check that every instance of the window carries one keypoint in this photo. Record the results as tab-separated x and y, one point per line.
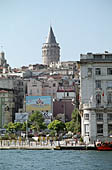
109	116
86	116
109	98
31	91
109	71
100	128
98	71
99	116
97	56
108	57
109	129
54	85
34	85
98	83
86	129
89	71
109	84
98	99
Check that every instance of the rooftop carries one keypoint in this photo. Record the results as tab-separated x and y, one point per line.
96	57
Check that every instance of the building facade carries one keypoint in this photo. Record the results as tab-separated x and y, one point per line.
34	87
96	96
50	49
7	106
49	88
12	92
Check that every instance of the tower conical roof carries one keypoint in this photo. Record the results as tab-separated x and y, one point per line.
51	38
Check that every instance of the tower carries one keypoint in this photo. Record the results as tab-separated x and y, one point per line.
50	49
3	61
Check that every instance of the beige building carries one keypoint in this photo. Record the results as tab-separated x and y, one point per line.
44	87
50	88
34	87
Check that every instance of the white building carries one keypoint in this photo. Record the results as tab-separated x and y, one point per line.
96	96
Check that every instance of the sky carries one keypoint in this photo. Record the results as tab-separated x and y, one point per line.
80	26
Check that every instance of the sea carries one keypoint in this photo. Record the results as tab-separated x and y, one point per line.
55	160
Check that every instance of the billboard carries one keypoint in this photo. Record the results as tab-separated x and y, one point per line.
21	117
39	103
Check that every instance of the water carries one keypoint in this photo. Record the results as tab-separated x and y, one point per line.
55	160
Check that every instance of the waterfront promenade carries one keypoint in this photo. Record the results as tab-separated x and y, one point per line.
33	145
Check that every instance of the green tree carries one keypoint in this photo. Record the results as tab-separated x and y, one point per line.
74	124
18	126
57	126
23	128
13	127
37	121
10	127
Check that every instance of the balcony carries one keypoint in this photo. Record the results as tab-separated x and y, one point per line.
93	105
88	105
98	89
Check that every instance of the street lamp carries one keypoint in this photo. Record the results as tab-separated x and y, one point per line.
26	129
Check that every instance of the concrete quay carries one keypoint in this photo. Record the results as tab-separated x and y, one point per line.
49	147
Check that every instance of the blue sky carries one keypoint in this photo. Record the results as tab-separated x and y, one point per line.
80	26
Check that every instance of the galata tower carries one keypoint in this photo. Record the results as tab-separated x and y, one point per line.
50	49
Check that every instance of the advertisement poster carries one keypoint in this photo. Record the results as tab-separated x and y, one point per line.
38	103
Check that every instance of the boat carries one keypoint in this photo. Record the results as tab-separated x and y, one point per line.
104	146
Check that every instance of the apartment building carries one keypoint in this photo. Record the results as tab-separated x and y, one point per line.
96	96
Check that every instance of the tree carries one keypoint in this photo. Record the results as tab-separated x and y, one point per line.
57	126
13	127
37	121
10	127
18	126
74	124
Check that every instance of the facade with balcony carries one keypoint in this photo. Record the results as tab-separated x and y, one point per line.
96	96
